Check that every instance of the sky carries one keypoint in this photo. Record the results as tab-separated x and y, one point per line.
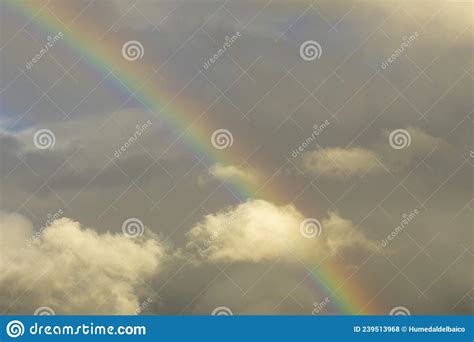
236	157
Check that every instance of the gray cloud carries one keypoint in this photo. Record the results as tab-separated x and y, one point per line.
158	178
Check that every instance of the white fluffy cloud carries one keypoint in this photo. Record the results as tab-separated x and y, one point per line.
258	230
340	163
72	269
231	172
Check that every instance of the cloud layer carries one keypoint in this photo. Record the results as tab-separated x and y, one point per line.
233	173
258	230
109	163
73	269
339	163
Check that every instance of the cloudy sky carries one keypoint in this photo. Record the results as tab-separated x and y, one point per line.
246	157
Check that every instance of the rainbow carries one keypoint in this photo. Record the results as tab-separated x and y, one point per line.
106	57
